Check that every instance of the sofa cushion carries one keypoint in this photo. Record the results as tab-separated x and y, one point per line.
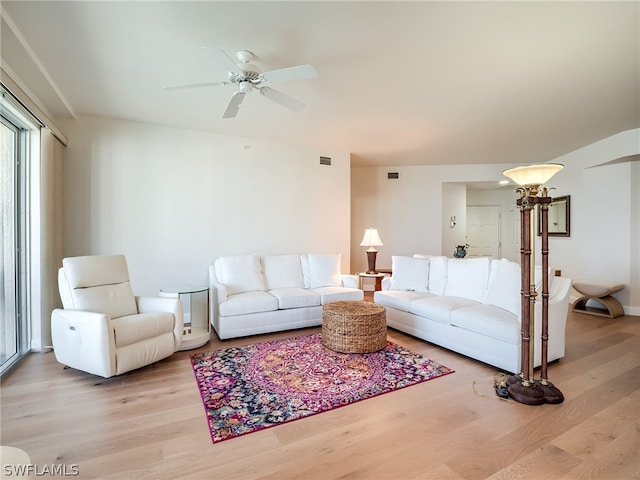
488	320
438	308
142	326
240	273
398	299
437	272
282	271
324	270
295	297
467	278
504	287
336	294
247	302
409	274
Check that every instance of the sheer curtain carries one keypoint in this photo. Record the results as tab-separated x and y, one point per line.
44	232
51	232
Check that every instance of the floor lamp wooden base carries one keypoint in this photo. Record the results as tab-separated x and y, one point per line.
531	394
550	393
527	393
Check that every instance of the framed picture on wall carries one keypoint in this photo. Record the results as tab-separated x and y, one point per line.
559	217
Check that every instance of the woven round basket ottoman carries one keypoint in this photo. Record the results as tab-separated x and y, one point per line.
354	327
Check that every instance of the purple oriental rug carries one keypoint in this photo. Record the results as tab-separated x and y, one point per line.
250	388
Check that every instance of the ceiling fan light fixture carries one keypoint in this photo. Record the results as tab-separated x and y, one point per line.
244	56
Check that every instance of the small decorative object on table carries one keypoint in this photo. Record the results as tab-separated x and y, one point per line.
461	251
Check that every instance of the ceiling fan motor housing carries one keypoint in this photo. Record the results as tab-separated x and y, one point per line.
239	78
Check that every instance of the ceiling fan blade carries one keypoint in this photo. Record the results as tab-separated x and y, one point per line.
282	99
225	59
301	72
234	105
194	85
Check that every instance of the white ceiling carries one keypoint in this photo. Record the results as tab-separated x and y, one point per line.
399	83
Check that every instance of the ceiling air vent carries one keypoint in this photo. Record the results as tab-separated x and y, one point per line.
325	160
393	175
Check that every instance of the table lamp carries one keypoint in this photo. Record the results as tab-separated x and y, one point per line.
371	239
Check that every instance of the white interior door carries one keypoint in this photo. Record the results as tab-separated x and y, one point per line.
483	231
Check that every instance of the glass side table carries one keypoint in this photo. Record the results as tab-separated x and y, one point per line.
195	305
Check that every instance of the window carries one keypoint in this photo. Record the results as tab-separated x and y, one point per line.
14	320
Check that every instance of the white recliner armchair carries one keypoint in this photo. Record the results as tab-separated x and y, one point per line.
103	328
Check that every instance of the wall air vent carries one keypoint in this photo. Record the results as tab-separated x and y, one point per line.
393	175
325	160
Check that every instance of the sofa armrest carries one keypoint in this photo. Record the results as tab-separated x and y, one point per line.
386	283
558	311
350	281
559	290
221	291
165	304
84	340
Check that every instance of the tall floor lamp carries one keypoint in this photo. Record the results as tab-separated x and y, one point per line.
523	387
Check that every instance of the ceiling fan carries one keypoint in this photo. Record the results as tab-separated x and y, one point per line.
246	78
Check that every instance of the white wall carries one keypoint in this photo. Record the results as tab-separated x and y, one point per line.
605	207
408	212
604	238
505	198
454	204
173	200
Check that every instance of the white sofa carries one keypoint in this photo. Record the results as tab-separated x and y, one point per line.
471	306
251	294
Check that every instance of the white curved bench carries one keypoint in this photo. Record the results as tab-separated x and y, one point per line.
600	293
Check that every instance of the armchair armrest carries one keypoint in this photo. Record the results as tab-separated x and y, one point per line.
165	304
84	340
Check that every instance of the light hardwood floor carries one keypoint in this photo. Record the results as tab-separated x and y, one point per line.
151	423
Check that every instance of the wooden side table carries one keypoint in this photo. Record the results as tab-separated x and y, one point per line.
377	276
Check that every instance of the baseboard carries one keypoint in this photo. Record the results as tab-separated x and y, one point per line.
36	346
635	311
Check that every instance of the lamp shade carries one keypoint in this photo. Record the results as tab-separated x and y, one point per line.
533	175
371	238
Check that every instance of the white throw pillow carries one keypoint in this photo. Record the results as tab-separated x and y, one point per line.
324	270
504	289
241	273
467	278
282	271
306	273
437	275
409	274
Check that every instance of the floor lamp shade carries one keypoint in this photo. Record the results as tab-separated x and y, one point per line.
371	239
533	175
